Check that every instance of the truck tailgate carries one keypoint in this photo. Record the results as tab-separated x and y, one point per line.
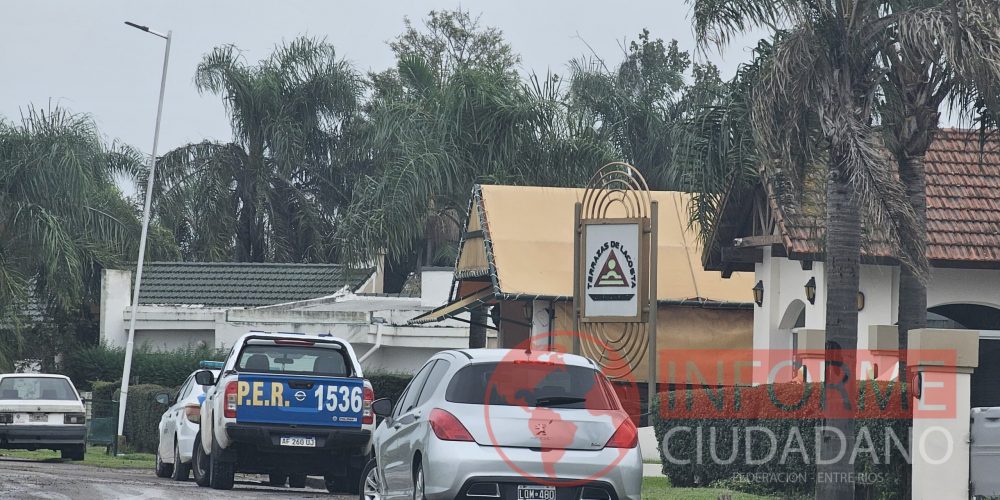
299	400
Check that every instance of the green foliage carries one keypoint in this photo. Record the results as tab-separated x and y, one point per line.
143	417
792	412
389	385
101	362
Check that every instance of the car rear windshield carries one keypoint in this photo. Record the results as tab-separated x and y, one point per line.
32	388
529	385
315	359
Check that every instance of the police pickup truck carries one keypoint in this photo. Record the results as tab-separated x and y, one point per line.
285	405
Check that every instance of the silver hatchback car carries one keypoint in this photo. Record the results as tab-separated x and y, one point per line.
505	424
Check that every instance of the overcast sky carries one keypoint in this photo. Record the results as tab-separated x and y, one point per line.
80	55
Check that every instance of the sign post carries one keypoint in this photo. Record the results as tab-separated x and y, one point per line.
615	269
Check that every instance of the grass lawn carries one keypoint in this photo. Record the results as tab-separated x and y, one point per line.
96	456
659	487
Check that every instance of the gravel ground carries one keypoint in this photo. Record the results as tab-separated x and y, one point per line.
57	481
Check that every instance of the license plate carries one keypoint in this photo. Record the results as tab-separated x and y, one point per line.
525	492
304	442
39	417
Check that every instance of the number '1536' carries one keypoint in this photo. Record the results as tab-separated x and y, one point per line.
338	397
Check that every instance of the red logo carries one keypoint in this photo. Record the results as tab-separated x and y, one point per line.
566	411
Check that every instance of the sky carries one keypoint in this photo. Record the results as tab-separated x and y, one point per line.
81	56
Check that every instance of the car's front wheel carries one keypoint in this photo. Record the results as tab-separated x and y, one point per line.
162	469
200	464
181	470
370	486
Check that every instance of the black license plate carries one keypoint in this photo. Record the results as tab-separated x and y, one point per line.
532	492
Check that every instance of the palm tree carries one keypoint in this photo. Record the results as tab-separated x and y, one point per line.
62	217
271	194
819	88
943	50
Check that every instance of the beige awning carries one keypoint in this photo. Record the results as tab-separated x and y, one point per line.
525	241
457	307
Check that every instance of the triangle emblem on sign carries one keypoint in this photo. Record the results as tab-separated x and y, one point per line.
611	273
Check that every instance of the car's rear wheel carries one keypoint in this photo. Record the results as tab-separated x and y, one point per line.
200	464
223	473
370	485
75	453
162	469
181	470
418	483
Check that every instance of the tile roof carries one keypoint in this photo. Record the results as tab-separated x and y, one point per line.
227	284
963	209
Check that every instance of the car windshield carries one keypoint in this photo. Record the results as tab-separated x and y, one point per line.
530	385
318	359
32	388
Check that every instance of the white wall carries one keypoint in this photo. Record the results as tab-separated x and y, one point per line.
435	286
161	340
116	291
398	359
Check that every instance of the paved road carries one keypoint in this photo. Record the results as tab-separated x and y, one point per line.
66	481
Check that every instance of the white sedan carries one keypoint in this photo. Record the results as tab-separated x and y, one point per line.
40	411
178	428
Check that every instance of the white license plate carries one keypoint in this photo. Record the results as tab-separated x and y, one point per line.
305	442
525	492
39	417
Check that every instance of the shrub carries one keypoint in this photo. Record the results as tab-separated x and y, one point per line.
148	367
142	417
389	385
720	422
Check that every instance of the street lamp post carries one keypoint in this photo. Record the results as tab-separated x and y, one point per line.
127	370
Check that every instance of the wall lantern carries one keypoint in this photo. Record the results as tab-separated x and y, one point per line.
811	290
861	301
758	293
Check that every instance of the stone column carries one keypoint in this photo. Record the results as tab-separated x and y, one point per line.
882	355
943	361
811	352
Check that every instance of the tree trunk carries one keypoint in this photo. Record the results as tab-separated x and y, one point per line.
842	267
912	292
477	330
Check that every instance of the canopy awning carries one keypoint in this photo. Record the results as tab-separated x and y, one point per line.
457	307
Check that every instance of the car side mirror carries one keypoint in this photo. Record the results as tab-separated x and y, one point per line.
204	377
162	398
382	407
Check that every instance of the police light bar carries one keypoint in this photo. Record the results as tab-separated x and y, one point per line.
211	365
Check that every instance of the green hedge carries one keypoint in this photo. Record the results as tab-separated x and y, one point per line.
142	416
101	362
389	385
784	410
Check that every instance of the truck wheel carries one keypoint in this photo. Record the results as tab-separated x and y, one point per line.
200	464
277	479
181	470
296	480
75	453
162	469
223	474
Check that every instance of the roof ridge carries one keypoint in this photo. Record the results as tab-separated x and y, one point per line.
253	264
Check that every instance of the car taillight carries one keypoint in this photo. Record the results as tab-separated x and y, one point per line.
193	412
368	416
447	428
627	436
230	409
74	418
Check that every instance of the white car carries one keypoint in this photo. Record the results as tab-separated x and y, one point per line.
505	424
42	412
178	428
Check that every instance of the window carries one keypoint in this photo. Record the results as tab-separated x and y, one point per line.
413	390
269	357
530	384
32	388
433	380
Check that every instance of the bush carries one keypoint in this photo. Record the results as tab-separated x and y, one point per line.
720	422
142	417
389	385
148	367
